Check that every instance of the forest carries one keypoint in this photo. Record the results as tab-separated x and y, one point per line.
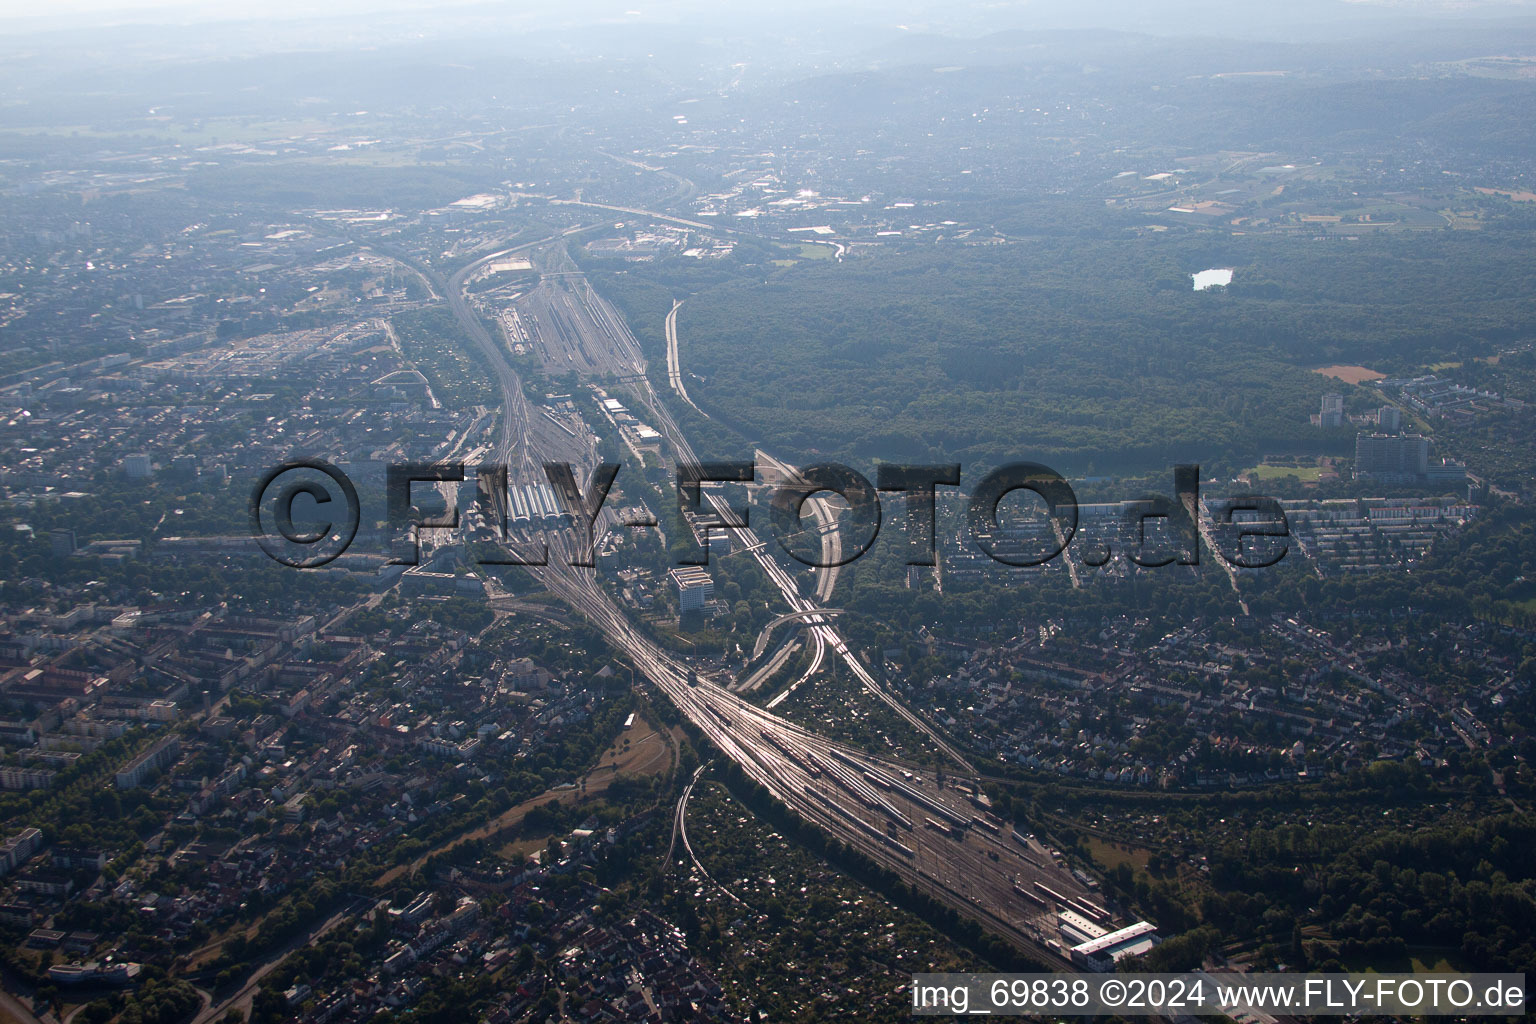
1093	354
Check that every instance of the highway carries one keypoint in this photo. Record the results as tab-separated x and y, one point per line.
826	526
766	671
767	633
652	214
823	633
826	579
935	835
674	364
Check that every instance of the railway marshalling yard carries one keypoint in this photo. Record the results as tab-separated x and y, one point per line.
937	835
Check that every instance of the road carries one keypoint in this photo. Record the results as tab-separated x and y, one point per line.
762	638
1202	518
652	214
764	672
13	1008
826	526
674	364
822	632
243	999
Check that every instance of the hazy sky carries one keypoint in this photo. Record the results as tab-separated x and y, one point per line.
1157	16
181	10
236	9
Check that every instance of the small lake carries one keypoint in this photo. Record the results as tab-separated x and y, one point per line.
1215	278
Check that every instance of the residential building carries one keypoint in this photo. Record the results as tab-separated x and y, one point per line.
694	586
1401	458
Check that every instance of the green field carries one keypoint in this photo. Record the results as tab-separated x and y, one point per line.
1110	854
1303	473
